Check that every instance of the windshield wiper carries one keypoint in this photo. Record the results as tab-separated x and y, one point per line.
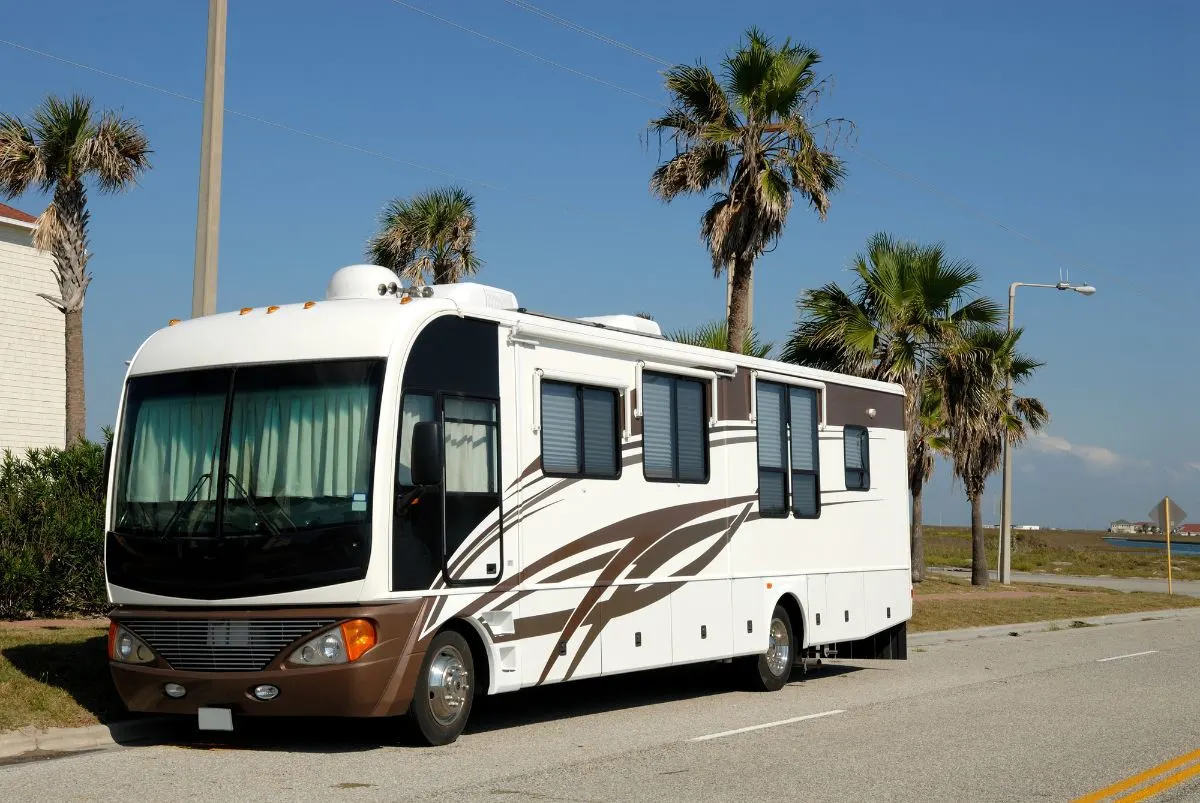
254	508
179	508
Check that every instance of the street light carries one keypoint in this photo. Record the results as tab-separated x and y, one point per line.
1005	558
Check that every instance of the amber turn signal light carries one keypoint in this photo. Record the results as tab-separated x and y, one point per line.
359	636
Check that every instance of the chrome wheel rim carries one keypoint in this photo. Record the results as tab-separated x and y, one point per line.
779	652
449	684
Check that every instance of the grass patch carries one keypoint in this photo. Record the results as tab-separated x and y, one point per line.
1058	552
946	603
55	677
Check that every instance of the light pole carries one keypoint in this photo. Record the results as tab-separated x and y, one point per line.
208	212
1005	557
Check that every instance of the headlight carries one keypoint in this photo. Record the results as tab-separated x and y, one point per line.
347	642
127	648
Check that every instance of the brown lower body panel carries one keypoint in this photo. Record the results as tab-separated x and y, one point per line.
380	683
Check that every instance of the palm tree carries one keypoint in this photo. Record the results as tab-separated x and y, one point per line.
428	238
979	408
749	138
908	302
64	144
715	335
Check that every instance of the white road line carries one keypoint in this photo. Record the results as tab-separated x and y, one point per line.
1130	655
766	725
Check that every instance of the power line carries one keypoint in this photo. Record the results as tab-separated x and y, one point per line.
574	26
291	129
528	53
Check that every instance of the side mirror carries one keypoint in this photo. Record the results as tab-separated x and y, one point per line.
426	454
108	448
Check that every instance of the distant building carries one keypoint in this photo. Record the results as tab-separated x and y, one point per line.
1028	527
1123	527
33	391
1190	530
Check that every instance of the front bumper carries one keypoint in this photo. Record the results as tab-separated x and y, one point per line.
380	683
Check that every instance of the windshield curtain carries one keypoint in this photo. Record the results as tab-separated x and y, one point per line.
283	451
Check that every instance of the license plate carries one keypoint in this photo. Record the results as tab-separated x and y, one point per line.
215	719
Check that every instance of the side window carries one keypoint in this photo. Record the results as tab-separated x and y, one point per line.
788	461
771	403
674	429
806	485
417	407
472	456
858	459
579	431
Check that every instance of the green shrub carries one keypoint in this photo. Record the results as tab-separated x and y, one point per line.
52	532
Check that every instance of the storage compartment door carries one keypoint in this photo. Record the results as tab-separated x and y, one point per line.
701	621
637	627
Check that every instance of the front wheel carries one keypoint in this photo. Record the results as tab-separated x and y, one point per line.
445	688
770	670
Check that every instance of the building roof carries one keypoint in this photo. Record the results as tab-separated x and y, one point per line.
16	214
1190	528
1122	521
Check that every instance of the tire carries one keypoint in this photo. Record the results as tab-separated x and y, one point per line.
771	670
445	689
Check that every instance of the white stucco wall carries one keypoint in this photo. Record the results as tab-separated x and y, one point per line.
32	361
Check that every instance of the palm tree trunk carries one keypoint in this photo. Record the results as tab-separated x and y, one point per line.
917	534
67	238
979	565
739	304
76	407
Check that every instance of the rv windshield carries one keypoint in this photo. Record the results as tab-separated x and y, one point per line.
248	480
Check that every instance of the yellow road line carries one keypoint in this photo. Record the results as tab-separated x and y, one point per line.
1163	785
1140	778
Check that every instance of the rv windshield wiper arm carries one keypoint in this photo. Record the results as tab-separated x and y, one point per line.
195	489
254	508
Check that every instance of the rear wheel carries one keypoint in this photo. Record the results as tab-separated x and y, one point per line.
445	688
770	670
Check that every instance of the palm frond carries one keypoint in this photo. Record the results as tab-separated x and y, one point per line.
694	170
715	335
21	163
429	237
117	152
62	128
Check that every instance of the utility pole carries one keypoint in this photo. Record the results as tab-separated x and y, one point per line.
208	212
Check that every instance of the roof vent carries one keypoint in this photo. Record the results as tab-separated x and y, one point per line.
360	281
470	294
628	323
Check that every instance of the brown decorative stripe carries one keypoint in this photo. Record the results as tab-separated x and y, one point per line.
733	397
642	530
846	405
672	544
710	554
542	624
531	469
579	569
411	646
635	423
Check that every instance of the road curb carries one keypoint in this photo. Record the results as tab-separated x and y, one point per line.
30	740
996	631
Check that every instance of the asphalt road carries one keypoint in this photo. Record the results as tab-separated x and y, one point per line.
1190	588
1035	717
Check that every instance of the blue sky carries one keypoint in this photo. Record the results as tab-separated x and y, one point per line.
1072	123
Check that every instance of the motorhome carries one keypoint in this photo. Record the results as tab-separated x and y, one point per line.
394	499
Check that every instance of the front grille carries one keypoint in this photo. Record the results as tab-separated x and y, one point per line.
221	645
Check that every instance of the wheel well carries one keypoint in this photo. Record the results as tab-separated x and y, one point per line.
479	652
796	614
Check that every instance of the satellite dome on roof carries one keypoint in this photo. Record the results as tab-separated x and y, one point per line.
359	281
